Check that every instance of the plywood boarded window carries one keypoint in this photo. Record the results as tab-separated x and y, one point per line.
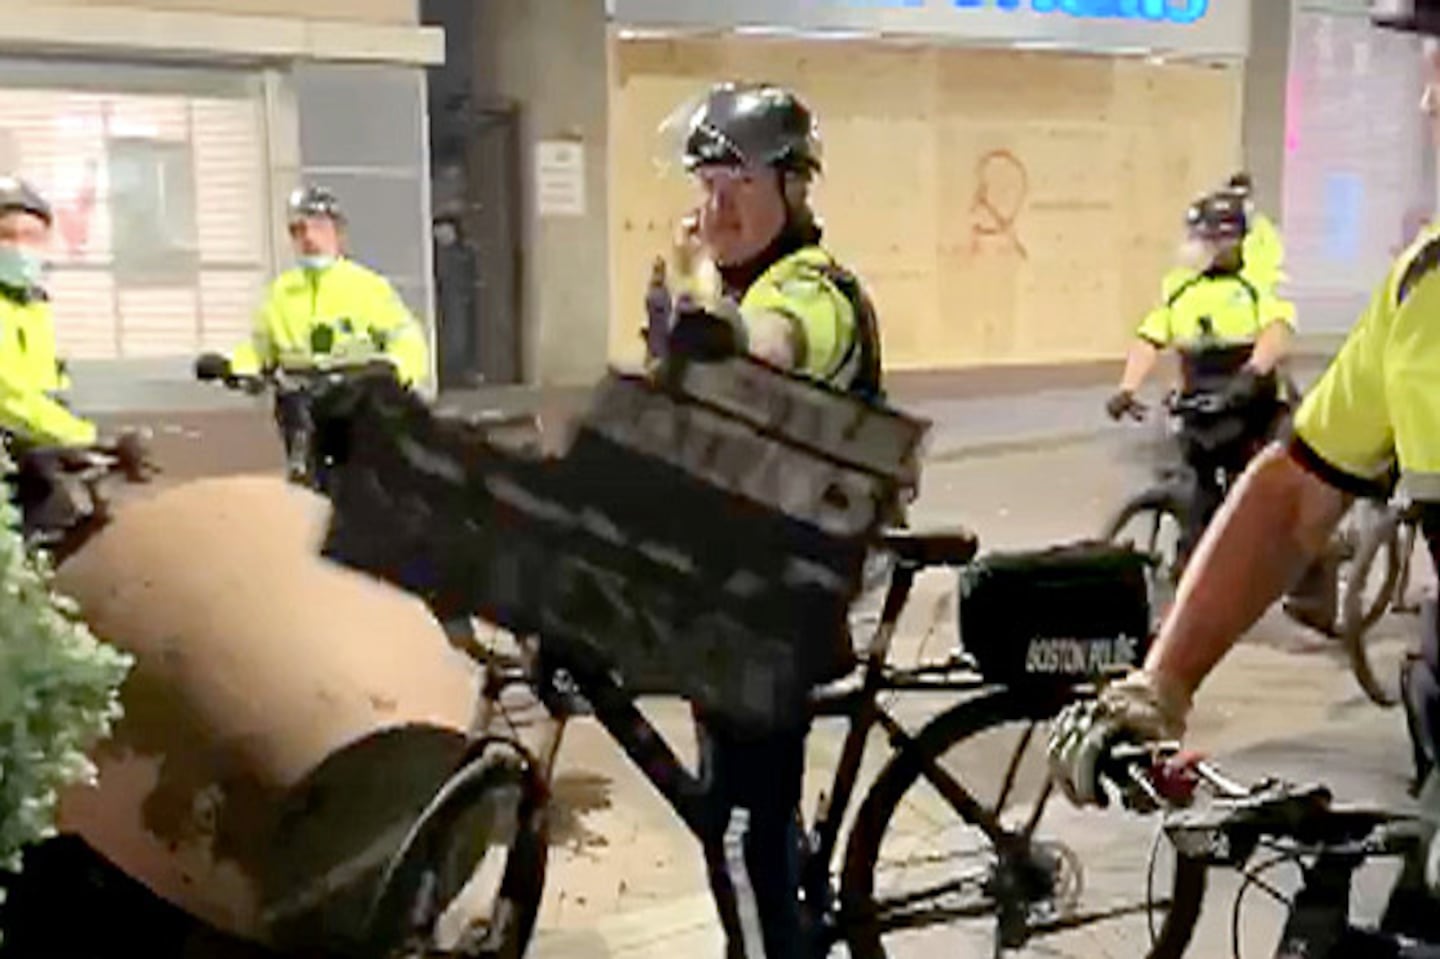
1002	206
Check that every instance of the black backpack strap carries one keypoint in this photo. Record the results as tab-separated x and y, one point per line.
1421	265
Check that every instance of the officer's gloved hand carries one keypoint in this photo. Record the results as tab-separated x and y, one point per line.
1242	389
131	448
1124	403
210	367
1140	708
700	334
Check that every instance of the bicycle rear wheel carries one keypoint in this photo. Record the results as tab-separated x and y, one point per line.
468	879
922	875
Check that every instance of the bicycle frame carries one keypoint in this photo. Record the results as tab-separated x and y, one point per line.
616	711
297	429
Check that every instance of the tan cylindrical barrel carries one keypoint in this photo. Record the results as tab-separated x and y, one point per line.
256	662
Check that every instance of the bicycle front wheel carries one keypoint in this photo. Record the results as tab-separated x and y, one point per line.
468	879
1369	585
1153	524
935	866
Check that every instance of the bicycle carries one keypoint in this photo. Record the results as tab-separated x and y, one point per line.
1166	511
293	388
1027	887
1365	568
1296	825
64	492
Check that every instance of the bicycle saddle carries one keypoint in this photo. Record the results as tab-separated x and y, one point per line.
937	547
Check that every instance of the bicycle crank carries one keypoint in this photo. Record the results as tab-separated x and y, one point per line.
1037	883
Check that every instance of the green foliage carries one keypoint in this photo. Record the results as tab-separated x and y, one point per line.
59	691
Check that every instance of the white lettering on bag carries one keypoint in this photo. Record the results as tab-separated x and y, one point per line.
1080	656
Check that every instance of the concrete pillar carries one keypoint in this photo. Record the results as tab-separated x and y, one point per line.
1266	76
549	57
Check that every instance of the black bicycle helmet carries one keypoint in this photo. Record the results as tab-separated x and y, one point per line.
16	194
1411	16
752	124
1218	217
1242	183
314	201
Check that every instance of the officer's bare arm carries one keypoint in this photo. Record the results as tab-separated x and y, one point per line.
1138	364
1276	520
1272	347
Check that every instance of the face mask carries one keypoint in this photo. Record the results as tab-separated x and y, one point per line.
1194	254
20	268
317	263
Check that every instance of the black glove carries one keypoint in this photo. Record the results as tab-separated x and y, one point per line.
211	366
132	450
1243	388
1123	404
701	335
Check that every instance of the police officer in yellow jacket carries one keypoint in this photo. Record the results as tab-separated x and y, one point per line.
1231	336
753	151
328	308
1374	415
30	372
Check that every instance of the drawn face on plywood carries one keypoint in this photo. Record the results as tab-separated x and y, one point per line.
1002	187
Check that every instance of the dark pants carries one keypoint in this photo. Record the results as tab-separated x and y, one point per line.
753	851
1218	448
292	418
1411	909
1420	693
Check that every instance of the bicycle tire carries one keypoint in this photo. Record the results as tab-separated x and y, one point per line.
1162	501
1410	533
904	770
1357	619
522	883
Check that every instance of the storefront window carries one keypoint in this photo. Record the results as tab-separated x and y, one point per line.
160	213
152	209
1356	179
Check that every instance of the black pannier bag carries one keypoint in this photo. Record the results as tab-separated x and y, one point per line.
701	536
1056	617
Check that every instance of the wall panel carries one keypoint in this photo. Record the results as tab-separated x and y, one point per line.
1003	206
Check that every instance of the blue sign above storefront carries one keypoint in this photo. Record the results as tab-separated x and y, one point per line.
1201	28
1160	11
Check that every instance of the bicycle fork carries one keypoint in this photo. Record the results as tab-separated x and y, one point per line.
1318	927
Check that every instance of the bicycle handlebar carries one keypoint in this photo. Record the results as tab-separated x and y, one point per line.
1243	815
212	367
1204	404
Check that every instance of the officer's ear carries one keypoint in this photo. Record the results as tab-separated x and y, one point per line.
795	187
